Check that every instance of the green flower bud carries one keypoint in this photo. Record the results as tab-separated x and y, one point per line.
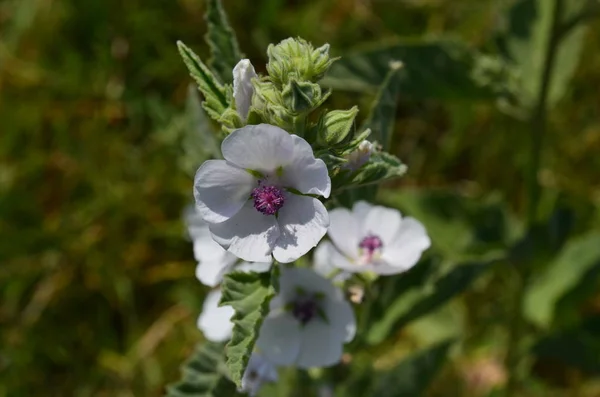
335	126
230	120
301	96
297	59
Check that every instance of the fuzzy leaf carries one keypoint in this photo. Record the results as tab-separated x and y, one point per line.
576	259
203	375
249	295
440	69
383	111
215	97
225	52
381	166
526	44
417	302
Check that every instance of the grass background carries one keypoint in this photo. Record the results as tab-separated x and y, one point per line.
97	288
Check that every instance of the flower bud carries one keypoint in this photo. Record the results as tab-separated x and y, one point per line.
335	126
301	96
361	155
243	73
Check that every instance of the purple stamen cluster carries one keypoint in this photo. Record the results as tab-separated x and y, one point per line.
371	243
305	310
268	199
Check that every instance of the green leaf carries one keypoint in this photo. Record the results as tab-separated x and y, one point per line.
204	375
382	116
577	257
460	227
432	69
421	300
225	52
249	295
412	377
215	97
380	167
527	42
577	346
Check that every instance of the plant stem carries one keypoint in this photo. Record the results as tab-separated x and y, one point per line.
538	131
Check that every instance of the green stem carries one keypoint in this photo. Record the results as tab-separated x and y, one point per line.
538	131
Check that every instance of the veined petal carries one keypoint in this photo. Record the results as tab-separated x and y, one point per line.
383	223
261	147
408	245
303	222
214	321
243	73
249	235
343	231
221	189
306	173
279	339
322	345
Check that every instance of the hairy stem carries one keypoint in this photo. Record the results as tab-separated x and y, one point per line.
538	131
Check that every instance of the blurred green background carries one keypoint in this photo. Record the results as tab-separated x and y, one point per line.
97	288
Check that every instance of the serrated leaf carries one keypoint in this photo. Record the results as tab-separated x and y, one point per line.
249	295
527	44
420	300
412	377
203	375
578	257
215	94
432	69
224	48
382	116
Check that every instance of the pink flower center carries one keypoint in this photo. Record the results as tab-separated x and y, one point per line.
305	310
268	199
370	245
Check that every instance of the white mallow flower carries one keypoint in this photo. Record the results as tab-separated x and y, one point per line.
259	200
243	73
373	238
308	323
259	371
215	321
214	261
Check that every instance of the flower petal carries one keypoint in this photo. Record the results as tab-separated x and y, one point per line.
303	222
408	245
207	249
249	235
307	279
323	262
343	231
211	273
341	316
221	189
214	321
306	173
261	147
258	267
322	345
279	339
383	223
243	73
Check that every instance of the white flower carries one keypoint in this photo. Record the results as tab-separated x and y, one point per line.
374	238
215	321
323	265
214	261
251	198
243	73
360	155
258	371
309	321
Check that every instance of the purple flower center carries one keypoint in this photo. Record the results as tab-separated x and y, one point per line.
268	199
370	245
305	310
